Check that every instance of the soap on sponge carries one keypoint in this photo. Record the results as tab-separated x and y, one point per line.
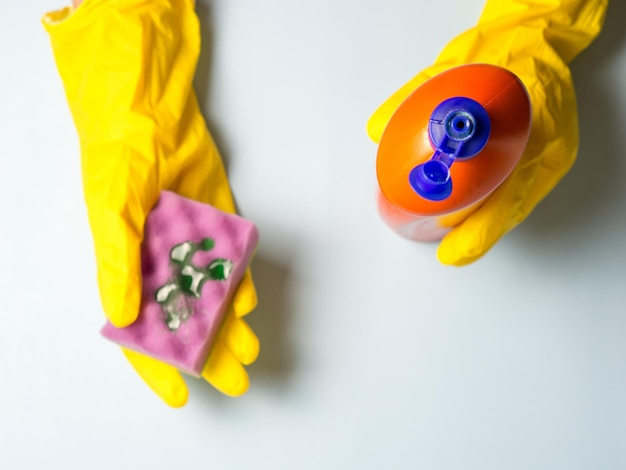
192	259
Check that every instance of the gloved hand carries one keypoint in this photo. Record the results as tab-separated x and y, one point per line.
127	67
535	39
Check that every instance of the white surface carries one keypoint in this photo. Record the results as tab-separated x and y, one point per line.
373	355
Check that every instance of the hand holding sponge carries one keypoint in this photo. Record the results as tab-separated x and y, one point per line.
141	132
193	258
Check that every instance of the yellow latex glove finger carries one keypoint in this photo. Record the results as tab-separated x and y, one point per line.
127	67
163	379
225	372
236	345
535	39
245	299
239	338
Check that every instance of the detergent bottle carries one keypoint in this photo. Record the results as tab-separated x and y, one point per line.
448	146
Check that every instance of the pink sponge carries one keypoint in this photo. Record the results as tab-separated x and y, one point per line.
193	258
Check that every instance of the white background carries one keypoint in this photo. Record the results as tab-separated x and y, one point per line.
374	356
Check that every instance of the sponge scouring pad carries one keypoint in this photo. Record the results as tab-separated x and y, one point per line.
193	257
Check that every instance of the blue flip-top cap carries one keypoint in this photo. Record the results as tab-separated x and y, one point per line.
459	129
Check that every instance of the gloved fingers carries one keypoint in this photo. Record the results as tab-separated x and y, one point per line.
163	379
237	344
245	299
470	240
225	372
240	339
473	237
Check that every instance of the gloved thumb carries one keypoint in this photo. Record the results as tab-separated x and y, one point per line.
119	274
117	219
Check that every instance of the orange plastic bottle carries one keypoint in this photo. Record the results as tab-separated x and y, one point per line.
449	145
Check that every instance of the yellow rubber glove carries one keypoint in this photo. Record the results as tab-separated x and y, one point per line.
535	39
127	67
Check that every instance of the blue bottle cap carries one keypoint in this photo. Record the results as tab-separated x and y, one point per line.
459	128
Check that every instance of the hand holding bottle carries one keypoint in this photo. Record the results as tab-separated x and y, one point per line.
535	40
